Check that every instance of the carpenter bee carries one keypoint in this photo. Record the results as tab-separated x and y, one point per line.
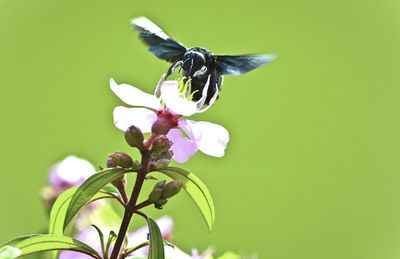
198	64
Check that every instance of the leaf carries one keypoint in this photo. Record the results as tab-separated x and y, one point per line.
101	236
111	189
39	243
9	252
196	189
59	209
88	189
156	240
111	238
129	251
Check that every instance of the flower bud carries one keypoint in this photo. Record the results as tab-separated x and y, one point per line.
161	163
120	159
155	194
134	137
136	165
171	189
161	144
160	203
167	155
111	163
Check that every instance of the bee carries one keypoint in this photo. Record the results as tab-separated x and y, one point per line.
197	64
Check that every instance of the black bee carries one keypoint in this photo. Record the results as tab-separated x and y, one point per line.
197	64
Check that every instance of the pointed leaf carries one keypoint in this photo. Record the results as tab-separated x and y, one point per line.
39	243
88	189
156	240
59	209
111	189
196	189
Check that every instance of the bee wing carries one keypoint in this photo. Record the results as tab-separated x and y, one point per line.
237	65
160	44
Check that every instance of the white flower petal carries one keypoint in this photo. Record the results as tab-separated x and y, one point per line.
175	253
210	138
172	99
88	236
133	96
182	147
203	98
140	117
72	171
212	100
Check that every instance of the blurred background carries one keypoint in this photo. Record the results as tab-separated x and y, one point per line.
312	170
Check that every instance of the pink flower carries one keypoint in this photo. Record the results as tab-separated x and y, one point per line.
70	172
90	236
209	138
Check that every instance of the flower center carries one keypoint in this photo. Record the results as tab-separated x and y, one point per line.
165	121
184	88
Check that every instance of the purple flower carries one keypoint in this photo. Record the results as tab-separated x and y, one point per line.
209	138
90	236
70	172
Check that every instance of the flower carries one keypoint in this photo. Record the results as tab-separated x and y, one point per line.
161	115
70	172
90	237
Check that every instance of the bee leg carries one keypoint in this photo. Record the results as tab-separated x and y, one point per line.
201	72
172	68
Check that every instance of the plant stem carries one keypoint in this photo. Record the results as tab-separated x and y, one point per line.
124	195
143	204
130	207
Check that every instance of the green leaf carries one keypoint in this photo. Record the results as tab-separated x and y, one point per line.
111	189
101	236
88	189
111	238
129	251
196	189
9	252
39	243
59	209
156	240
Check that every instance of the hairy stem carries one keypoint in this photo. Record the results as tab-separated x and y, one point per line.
130	207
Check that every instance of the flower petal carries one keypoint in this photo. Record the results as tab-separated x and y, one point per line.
70	172
172	99
176	253
182	147
135	238
140	117
212	100
88	236
133	96
210	138
202	100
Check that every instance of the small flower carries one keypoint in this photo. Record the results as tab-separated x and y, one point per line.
162	116
90	237
70	172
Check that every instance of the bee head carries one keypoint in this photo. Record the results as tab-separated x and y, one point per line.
193	61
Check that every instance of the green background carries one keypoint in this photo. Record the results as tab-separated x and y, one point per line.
312	170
